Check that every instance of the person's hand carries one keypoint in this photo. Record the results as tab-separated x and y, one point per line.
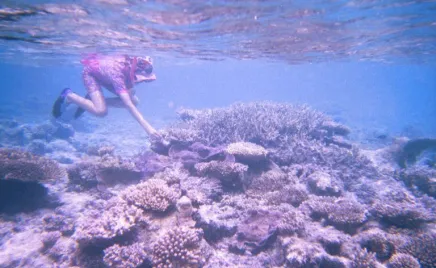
145	78
155	136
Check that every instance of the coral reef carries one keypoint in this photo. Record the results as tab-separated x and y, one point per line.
131	256
24	166
105	169
403	261
202	190
247	153
374	240
216	222
402	214
259	230
251	185
412	149
230	174
153	194
292	222
262	123
117	219
179	247
421	177
423	248
364	259
344	214
300	253
322	183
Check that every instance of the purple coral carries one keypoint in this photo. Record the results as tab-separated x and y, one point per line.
423	248
24	166
153	194
402	261
364	259
300	253
179	247
230	174
130	256
402	214
374	240
117	219
344	214
292	222
263	123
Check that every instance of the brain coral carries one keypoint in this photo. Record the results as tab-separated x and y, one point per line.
24	166
179	247
153	194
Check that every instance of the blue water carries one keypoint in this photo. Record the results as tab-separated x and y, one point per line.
369	64
391	98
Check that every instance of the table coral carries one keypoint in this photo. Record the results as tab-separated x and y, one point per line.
24	166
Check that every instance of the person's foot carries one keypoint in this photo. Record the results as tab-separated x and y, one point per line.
60	103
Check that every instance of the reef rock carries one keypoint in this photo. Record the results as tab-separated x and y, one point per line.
217	222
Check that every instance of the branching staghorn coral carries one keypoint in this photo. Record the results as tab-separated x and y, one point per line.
262	123
179	247
153	194
24	166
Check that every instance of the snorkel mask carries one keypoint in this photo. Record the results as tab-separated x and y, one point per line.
144	65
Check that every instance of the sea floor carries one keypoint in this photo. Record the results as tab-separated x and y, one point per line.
240	186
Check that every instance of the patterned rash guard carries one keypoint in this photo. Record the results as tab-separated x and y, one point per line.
111	72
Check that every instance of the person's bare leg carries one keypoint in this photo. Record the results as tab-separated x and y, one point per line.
96	105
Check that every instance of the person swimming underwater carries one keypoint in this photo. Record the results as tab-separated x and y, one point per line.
118	74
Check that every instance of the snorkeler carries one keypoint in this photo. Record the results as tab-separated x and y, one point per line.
118	74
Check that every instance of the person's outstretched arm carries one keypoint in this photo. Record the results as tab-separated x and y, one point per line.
126	99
